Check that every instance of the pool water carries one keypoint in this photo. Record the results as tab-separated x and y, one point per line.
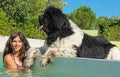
35	71
67	67
27	72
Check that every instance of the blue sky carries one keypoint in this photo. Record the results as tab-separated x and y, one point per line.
107	8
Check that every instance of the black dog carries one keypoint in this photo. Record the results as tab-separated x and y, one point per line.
66	39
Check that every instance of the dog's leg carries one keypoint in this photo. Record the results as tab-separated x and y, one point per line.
48	57
114	54
30	56
52	53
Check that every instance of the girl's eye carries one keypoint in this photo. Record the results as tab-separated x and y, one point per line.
20	41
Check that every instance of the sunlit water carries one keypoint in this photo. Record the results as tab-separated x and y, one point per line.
67	67
27	72
35	71
14	73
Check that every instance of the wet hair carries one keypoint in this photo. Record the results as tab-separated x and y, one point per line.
8	47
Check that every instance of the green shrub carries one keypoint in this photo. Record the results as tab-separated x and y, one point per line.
6	25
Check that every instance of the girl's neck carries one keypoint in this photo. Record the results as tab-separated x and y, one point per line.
16	54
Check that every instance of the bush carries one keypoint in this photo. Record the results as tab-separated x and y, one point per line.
114	33
6	25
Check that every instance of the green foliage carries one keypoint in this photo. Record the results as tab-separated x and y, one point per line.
109	27
6	25
84	17
31	32
58	3
114	33
103	24
25	14
24	11
22	15
68	16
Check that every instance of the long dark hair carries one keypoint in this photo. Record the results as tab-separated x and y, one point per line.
8	47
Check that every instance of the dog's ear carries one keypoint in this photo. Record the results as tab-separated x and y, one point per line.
61	22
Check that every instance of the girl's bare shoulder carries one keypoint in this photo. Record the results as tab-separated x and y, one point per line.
8	57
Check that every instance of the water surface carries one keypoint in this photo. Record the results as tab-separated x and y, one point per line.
67	67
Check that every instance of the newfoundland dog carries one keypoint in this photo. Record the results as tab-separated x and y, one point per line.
66	39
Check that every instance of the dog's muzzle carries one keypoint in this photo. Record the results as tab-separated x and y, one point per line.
41	27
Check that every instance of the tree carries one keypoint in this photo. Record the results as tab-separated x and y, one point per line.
24	11
84	17
6	25
25	14
58	3
109	27
103	25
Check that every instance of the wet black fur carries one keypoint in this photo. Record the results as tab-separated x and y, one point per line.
57	25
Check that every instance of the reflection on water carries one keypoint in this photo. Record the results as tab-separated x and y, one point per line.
14	73
19	73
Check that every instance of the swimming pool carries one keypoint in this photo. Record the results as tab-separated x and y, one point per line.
27	72
35	71
67	67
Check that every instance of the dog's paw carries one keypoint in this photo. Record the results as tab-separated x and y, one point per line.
34	52
47	58
44	62
30	57
28	63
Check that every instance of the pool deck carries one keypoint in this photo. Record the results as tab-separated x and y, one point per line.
33	42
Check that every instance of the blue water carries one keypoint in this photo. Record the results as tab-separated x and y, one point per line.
27	72
35	71
67	67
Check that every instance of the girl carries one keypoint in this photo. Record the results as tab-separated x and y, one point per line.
15	51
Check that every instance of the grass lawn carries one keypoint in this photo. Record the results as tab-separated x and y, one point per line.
117	43
91	32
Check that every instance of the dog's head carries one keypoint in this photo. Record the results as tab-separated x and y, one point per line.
53	20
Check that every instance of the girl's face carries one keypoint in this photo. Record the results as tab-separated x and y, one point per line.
16	44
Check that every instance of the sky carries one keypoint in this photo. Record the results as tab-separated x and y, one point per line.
107	8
